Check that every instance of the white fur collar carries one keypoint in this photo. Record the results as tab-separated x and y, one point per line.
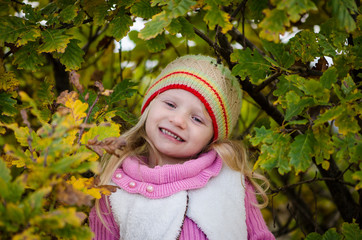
218	209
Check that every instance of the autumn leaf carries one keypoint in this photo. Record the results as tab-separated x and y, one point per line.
215	16
154	27
301	152
54	40
250	64
273	25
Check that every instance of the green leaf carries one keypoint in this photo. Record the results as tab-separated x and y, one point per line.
346	121
250	64
21	134
179	8
78	20
314	236
174	27
351	231
329	77
296	105
11	28
273	150
187	29
301	152
345	145
68	164
34	201
120	25
348	85
72	58
329	115
7	104
215	16
280	53
14	213
262	135
305	46
14	190
49	9
31	35
31	14
324	145
256	9
122	91
313	88
43	118
335	37
45	93
285	85
69	13
357	176
4	172
100	13
331	234
154	27
28	58
126	115
326	45
144	9
340	10
54	40
273	25
356	152
156	44
296	8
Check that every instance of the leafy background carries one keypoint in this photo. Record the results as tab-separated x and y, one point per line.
68	82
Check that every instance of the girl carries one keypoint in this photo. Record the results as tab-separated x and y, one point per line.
178	176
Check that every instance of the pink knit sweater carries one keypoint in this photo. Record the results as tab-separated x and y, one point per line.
162	181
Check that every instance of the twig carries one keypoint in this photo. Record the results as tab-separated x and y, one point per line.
120	60
29	139
240	38
81	131
239	8
21	3
207	39
267	81
315	179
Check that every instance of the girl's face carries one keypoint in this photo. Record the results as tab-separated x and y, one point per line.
178	125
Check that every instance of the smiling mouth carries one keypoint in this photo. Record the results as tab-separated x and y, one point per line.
166	132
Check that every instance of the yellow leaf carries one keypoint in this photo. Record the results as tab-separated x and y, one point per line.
102	131
325	165
78	110
94	192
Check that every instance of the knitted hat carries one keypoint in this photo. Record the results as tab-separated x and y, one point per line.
212	83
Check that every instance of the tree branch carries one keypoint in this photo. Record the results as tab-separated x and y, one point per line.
267	81
342	197
240	38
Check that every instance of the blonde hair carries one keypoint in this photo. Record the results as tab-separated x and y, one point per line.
233	153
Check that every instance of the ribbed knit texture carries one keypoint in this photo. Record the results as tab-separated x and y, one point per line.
134	171
212	83
168	179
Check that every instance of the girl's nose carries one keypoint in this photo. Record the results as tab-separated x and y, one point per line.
178	119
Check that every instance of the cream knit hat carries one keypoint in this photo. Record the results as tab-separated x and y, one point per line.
211	82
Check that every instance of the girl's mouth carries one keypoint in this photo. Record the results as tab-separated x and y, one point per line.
166	132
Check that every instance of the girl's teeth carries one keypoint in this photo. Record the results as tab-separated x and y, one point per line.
171	134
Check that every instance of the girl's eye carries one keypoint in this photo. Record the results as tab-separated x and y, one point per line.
170	104
197	119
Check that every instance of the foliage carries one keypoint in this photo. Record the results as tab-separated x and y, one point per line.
298	62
